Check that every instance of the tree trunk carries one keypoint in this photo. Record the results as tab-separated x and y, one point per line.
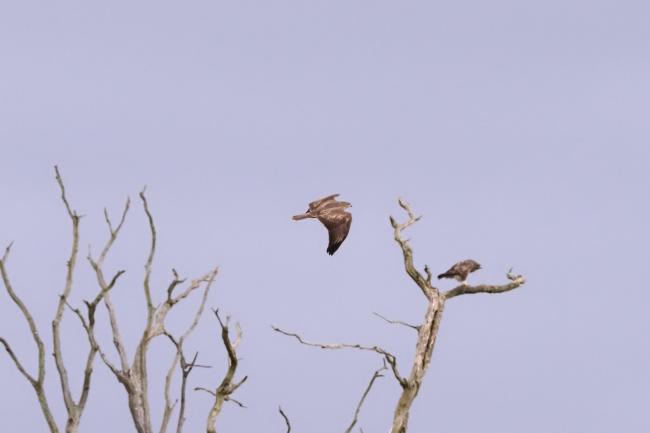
426	341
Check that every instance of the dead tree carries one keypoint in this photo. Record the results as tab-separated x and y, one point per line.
74	408
132	375
427	330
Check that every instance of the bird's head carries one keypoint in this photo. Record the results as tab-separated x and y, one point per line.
302	216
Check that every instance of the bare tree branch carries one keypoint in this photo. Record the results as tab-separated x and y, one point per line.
390	358
397	322
38	382
423	283
152	252
16	361
27	315
63	298
286	419
209	391
376	375
515	281
227	385
106	287
179	356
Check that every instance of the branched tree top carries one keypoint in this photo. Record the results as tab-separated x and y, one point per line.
427	330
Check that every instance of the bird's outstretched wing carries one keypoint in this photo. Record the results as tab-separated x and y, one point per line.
338	224
318	203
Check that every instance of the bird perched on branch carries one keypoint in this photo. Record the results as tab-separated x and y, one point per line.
333	216
461	270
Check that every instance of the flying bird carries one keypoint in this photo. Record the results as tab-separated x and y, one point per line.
334	217
461	270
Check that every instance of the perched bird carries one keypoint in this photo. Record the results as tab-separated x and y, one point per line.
461	270
333	216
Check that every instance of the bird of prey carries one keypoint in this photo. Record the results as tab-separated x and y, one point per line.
461	270
333	216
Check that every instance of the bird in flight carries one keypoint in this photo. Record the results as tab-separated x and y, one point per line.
461	270
334	217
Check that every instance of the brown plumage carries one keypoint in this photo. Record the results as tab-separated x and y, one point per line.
461	270
333	216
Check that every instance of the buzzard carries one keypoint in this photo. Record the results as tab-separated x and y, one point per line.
333	216
461	270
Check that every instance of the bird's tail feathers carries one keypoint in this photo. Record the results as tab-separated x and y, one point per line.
445	275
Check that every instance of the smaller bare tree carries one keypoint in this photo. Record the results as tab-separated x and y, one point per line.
133	375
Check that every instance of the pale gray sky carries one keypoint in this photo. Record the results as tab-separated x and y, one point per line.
518	129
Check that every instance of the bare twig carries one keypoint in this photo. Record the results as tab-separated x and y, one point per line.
209	391
389	357
286	419
376	375
397	322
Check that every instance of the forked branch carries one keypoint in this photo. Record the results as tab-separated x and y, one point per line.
389	357
228	384
423	283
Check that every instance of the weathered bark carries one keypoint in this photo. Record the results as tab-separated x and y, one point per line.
424	348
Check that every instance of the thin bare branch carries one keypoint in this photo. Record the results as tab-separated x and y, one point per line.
16	361
237	402
428	272
397	322
168	408
92	341
200	388
63	299
423	283
71	213
175	282
152	252
28	317
113	233
5	256
228	385
38	382
390	358
104	294
376	375
286	419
